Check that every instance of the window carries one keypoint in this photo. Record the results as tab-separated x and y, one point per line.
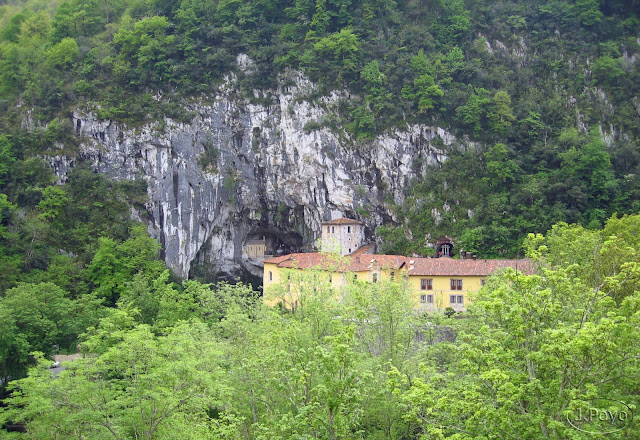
428	299
482	282
349	250
355	276
426	284
456	284
392	275
452	299
460	299
349	229
270	276
333	229
374	277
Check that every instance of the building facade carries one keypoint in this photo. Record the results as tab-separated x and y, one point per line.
343	236
255	249
433	283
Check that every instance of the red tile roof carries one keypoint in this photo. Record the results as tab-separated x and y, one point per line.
451	267
356	263
343	221
364	249
366	261
277	260
314	260
415	266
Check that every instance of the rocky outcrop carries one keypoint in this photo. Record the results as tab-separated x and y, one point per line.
240	168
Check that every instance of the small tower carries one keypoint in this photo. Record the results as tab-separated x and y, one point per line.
343	235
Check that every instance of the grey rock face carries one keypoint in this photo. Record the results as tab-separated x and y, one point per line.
266	174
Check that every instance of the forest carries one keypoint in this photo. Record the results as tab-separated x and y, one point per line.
196	361
546	91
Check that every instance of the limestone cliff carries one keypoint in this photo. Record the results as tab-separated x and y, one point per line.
239	169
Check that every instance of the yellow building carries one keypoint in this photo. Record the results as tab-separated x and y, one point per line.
438	283
434	283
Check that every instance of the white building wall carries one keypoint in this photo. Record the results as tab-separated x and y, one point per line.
342	239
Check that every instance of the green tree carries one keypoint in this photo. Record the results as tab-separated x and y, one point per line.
145	386
364	122
7	158
474	112
535	349
608	71
14	347
43	315
500	116
588	12
377	95
502	170
63	54
339	51
54	199
114	264
10	258
589	175
424	91
143	50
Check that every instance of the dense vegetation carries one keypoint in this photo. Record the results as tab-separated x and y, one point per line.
547	91
197	362
538	85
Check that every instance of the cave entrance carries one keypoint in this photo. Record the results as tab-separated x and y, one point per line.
262	244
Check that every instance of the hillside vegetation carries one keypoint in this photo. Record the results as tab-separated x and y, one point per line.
212	362
546	93
547	90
